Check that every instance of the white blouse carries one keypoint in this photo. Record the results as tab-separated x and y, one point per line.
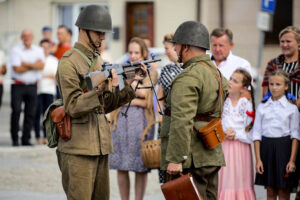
276	119
235	117
48	85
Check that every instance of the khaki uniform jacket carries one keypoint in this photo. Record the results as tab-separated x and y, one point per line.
90	132
194	90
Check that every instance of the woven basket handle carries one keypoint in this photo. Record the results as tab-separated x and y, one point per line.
147	129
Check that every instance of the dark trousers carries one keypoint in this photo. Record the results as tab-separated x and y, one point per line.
58	96
28	95
1	92
44	100
84	177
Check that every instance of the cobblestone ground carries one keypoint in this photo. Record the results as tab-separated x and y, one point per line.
32	173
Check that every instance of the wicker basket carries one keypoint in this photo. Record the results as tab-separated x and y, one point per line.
150	150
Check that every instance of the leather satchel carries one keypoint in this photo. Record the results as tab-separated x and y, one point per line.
182	188
212	134
62	122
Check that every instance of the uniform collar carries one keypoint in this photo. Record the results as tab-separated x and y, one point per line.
88	52
282	101
196	59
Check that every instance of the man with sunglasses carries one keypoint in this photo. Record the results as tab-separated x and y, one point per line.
83	159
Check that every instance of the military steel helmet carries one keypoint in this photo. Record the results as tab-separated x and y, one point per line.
192	33
94	18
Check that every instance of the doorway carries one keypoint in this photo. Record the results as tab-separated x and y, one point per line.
139	21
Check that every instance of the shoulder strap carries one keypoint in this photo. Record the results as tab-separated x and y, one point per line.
84	56
221	93
91	64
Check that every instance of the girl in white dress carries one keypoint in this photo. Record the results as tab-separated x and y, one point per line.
236	178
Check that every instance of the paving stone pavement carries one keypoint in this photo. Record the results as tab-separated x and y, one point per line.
32	173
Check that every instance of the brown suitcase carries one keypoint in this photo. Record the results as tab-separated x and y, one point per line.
182	188
62	122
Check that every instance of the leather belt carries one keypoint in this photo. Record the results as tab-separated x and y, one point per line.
17	82
197	118
203	118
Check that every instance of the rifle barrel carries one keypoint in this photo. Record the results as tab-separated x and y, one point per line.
132	64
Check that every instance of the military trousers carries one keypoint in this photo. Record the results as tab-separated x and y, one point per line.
84	177
206	180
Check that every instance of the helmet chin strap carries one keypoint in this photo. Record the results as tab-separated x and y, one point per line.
93	44
180	54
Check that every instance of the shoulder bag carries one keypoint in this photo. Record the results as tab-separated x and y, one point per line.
212	134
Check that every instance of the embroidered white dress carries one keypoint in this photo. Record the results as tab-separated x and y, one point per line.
236	178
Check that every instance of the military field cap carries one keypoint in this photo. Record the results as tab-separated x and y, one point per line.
94	18
192	33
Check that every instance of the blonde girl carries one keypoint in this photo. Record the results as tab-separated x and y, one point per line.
276	136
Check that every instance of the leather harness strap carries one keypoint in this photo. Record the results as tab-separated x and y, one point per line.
205	116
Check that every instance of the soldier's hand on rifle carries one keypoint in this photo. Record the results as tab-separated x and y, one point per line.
114	82
140	74
100	88
115	79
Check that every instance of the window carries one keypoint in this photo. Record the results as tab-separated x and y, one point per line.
283	17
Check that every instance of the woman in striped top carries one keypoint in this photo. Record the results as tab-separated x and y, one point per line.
168	72
288	61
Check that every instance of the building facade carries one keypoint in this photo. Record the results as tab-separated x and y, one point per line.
149	18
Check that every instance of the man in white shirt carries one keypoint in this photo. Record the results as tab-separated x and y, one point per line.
221	44
27	61
2	72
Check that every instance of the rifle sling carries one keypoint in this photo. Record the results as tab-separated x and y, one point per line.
92	65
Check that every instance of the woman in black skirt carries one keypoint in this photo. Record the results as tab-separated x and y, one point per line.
276	135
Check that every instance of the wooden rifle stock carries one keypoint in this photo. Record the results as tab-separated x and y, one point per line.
93	79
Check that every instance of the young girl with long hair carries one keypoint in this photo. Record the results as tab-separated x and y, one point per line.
127	131
236	178
276	135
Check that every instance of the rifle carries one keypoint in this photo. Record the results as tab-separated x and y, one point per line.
124	71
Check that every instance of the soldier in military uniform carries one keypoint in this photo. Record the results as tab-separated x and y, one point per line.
83	160
193	92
